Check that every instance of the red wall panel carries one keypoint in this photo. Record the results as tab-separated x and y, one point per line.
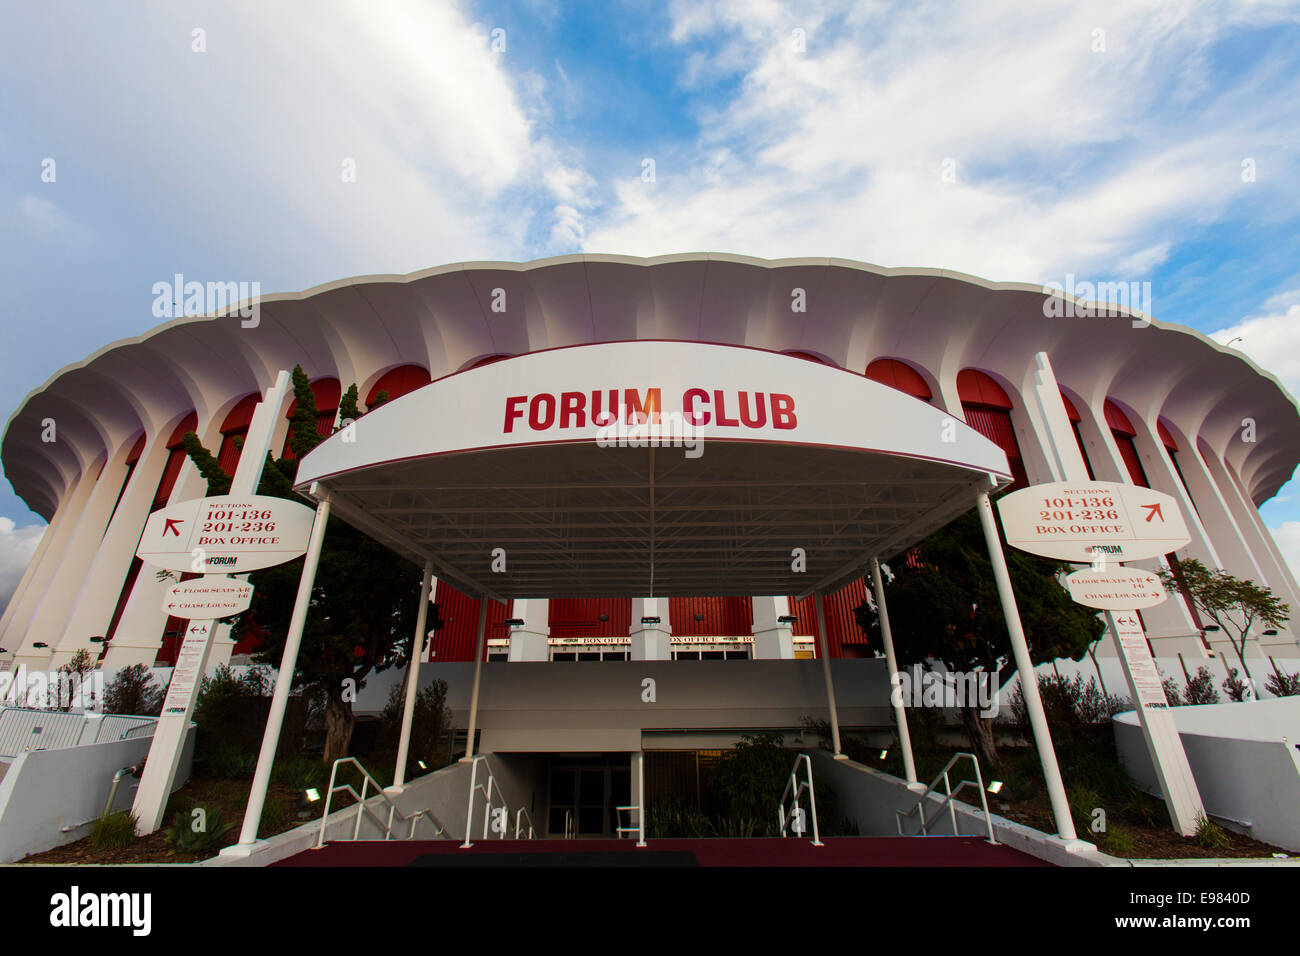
459	633
721	616
580	617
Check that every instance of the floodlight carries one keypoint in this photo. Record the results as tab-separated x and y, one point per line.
884	754
313	794
995	786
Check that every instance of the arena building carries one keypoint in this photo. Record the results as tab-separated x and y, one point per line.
1057	392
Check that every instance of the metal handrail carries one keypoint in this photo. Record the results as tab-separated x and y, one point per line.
393	810
950	792
486	790
798	787
521	814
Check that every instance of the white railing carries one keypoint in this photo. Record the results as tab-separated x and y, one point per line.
794	788
494	803
394	814
950	792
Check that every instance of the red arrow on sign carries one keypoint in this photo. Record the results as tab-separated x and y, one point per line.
1154	512
173	525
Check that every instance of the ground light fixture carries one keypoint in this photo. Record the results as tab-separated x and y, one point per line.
995	786
422	765
884	754
313	794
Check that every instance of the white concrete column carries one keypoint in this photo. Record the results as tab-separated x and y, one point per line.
528	642
29	572
772	639
650	642
56	604
44	564
1050	422
139	631
1164	477
93	610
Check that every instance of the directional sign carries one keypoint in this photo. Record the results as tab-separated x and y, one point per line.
189	666
208	598
1118	589
226	534
1068	520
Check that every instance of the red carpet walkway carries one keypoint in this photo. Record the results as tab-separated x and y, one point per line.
838	851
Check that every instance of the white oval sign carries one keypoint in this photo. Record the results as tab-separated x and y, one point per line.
1116	589
208	598
1067	520
226	534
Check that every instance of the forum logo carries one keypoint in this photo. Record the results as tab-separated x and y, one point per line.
921	687
1097	300
180	298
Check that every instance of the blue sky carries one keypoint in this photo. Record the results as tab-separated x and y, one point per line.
1106	141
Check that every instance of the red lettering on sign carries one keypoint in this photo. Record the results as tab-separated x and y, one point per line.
599	418
639	414
722	410
573	406
537	419
783	411
751	420
513	411
688	406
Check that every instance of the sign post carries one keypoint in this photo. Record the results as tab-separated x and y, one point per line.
160	544
1097	521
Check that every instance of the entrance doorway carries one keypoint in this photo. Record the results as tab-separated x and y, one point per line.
584	793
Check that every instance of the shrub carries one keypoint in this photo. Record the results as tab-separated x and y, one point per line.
1234	686
1283	684
230	761
134	691
1070	705
187	836
1209	834
1172	697
113	831
231	711
299	773
1200	689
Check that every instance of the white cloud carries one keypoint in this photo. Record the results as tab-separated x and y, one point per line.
1288	541
1272	341
17	545
1066	159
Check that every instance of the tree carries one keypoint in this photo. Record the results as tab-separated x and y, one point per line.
944	607
134	691
364	600
1234	605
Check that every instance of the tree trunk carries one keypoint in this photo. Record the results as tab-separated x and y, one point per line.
979	730
338	728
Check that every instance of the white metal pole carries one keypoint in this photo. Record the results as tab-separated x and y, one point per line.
1025	668
478	673
640	797
826	672
284	680
412	679
891	662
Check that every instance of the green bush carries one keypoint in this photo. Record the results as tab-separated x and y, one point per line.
1200	689
230	761
1210	835
430	730
187	836
1283	684
1117	841
1071	706
299	773
113	831
231	711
